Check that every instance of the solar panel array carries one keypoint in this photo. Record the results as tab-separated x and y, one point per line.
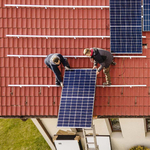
146	15
77	99
125	26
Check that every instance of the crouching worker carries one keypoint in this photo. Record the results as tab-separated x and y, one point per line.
53	61
104	58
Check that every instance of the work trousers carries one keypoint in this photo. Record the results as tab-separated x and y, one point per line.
56	80
107	75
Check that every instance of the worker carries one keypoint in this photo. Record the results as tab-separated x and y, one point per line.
104	58
53	61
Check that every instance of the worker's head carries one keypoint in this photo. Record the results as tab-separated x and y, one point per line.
56	60
87	52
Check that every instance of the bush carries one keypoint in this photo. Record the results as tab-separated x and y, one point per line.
139	148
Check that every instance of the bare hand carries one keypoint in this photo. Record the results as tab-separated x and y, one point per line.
94	67
97	73
66	68
61	84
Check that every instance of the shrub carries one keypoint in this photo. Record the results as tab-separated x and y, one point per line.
139	148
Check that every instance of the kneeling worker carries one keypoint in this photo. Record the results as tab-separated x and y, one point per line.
104	58
53	61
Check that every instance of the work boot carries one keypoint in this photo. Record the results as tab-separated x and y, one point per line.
57	82
105	83
107	76
113	63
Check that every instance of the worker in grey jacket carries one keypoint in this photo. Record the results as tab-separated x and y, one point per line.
53	61
104	58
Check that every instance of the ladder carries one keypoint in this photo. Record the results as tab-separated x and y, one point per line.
94	139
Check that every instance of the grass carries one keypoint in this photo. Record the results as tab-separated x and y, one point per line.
16	134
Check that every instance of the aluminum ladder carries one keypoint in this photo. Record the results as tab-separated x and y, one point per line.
94	139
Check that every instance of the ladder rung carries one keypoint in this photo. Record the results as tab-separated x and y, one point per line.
88	129
87	144
90	143
89	135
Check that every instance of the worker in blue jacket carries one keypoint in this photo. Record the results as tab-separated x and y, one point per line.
53	61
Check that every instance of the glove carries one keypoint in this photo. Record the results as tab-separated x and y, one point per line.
67	68
61	84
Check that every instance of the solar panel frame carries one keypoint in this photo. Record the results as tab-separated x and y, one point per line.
121	16
72	119
146	15
127	40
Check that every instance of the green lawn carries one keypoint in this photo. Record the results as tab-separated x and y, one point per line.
16	134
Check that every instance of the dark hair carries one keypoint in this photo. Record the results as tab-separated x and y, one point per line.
56	59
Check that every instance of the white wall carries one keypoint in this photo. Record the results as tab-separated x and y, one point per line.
102	126
133	132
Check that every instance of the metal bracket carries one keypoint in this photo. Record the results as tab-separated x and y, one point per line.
149	91
135	100
40	91
26	102
108	102
122	91
11	92
54	101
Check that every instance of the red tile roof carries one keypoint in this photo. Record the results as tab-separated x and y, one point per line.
44	102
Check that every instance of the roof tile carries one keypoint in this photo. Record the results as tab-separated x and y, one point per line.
51	108
19	23
43	12
18	111
18	12
10	111
3	100
21	13
3	110
28	13
4	13
22	111
30	110
46	110
2	61
146	111
1	35
55	111
1	11
53	21
14	12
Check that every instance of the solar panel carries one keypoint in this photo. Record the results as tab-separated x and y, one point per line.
146	15
125	26
77	99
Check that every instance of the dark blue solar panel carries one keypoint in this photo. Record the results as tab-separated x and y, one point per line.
77	99
125	12
146	15
126	40
125	26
